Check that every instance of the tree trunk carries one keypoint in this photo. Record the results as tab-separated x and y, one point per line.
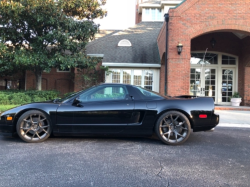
38	74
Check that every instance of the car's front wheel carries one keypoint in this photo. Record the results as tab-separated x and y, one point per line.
33	126
173	128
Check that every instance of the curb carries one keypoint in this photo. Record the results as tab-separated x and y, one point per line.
232	108
234	125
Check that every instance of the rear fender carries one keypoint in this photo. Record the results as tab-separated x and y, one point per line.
192	108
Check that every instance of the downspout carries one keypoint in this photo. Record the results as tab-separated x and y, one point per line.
166	52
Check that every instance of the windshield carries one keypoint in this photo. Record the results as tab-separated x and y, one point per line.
73	94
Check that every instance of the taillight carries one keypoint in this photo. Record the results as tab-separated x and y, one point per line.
203	115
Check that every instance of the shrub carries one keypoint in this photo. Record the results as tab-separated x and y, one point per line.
19	97
4	99
68	94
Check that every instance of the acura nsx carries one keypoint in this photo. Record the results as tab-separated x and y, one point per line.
112	110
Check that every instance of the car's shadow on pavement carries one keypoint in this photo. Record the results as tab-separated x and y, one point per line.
13	139
154	140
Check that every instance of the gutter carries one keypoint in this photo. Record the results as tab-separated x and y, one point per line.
135	65
166	52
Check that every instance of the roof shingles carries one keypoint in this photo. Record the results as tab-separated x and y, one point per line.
144	49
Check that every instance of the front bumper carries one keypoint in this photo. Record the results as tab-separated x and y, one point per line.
6	128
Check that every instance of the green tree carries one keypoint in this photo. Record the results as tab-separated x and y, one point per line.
40	34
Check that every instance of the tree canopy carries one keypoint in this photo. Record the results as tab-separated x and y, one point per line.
40	34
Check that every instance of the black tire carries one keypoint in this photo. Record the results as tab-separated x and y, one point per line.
173	128
34	126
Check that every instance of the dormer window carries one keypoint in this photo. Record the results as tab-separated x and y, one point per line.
124	43
152	14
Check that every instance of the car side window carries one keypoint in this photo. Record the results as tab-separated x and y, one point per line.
147	93
106	93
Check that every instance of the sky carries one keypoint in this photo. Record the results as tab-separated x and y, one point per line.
121	15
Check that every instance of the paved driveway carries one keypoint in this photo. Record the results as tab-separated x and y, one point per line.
220	158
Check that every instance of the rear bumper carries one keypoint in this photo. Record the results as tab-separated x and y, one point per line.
215	119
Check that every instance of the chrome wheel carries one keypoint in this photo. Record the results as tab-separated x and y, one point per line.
33	126
173	128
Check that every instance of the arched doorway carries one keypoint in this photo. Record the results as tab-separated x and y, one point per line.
223	70
193	24
214	74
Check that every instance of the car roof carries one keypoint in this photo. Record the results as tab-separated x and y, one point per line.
115	84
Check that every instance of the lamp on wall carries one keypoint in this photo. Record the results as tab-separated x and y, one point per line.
179	48
213	42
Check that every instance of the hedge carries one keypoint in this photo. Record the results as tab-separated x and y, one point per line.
17	97
6	107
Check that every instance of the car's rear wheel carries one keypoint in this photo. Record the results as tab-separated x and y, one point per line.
173	128
34	126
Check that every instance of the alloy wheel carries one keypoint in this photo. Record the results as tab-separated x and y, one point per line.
34	127
173	128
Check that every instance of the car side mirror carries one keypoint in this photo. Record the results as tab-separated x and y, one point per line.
128	97
76	101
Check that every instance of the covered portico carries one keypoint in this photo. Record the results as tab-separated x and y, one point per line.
215	58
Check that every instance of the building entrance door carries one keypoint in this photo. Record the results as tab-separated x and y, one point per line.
213	75
203	82
227	86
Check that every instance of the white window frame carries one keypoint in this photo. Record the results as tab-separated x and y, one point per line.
155	81
124	43
149	17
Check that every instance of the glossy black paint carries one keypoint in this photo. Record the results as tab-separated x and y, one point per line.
135	115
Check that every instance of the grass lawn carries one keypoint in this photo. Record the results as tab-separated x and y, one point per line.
6	107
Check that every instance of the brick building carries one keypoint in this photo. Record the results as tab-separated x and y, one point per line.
223	28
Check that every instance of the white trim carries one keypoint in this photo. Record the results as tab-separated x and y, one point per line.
148	5
132	76
162	4
143	78
96	55
171	2
121	76
139	65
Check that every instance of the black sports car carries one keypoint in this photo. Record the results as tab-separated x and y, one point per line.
112	109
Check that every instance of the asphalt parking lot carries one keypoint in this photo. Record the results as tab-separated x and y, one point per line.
219	158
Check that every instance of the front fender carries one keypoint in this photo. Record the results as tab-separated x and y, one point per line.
48	108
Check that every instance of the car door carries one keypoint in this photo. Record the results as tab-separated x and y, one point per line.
105	109
145	111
